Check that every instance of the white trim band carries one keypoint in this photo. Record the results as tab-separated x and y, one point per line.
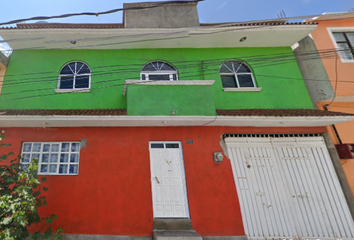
161	121
255	89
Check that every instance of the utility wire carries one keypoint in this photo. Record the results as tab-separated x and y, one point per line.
115	80
92	13
135	71
247	59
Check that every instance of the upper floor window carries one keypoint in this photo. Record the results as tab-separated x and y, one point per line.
54	158
236	74
159	71
75	76
345	44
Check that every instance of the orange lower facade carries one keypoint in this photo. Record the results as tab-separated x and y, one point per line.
345	133
111	195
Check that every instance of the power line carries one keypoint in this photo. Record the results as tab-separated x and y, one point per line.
248	59
115	80
136	71
94	14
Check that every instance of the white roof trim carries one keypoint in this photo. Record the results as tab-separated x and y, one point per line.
160	121
178	83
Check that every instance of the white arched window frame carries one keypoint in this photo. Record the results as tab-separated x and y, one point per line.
74	77
237	74
159	71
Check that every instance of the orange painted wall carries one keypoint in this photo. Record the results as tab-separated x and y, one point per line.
112	193
2	74
335	68
341	75
346	133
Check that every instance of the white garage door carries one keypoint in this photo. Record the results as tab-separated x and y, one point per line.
288	188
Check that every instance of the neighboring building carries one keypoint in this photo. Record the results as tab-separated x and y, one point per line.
330	77
3	64
161	126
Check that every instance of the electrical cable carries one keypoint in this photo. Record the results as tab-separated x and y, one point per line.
246	59
336	83
134	71
95	14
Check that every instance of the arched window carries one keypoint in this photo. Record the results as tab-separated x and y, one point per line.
75	75
236	74
159	71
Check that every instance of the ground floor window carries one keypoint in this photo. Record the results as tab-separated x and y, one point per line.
55	158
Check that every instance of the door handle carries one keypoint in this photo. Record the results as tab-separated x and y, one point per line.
157	180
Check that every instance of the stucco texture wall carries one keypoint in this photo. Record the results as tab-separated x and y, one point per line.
112	193
346	133
33	75
145	100
2	74
341	76
339	73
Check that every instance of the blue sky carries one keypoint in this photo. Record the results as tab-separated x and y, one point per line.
209	11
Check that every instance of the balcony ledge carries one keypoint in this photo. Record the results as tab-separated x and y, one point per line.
174	83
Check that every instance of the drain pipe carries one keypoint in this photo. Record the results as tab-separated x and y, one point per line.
334	127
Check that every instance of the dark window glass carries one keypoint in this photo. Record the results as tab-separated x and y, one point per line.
149	68
63	168
74	169
78	67
166	67
66	82
172	145
174	77
228	81
143	77
351	38
157	145
243	68
83	69
74	70
159	77
339	37
82	82
158	66
227	67
245	80
66	70
345	41
344	51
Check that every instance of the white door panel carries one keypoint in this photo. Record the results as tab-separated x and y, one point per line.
288	189
168	180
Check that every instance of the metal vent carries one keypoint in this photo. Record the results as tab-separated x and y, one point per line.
282	135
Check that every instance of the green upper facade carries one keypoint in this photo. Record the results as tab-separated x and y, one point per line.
32	79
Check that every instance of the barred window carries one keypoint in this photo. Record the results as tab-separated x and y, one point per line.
55	158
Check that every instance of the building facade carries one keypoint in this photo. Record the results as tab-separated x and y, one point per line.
333	65
162	126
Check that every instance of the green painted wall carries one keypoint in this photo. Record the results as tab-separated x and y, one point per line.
32	76
147	100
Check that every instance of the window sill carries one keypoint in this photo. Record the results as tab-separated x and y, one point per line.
71	90
242	89
347	60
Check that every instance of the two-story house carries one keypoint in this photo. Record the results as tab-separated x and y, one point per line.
162	126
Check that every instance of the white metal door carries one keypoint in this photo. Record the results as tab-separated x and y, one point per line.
168	180
288	189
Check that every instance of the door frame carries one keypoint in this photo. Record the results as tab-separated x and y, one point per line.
184	182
